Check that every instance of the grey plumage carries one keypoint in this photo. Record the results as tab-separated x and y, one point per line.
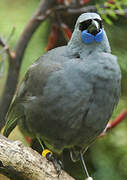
68	94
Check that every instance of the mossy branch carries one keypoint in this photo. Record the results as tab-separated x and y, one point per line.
23	163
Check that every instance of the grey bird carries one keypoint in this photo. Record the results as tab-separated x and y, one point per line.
68	95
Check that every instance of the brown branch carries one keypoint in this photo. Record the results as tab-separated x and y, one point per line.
5	51
90	8
5	47
23	163
117	120
3	43
43	10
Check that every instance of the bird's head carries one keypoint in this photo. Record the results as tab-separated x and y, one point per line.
90	26
89	32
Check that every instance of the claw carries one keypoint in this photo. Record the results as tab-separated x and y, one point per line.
57	163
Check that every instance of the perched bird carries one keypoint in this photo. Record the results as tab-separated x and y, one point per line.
69	93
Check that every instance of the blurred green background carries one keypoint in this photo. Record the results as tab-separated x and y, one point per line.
107	158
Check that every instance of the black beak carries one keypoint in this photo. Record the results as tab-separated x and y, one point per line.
94	27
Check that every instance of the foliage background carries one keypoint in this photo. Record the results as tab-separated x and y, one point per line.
107	158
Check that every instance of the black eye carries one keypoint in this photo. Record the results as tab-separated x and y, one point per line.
85	24
99	21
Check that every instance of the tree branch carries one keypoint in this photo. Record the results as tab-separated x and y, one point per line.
115	122
43	10
23	163
5	47
90	8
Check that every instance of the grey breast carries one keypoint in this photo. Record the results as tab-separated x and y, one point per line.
77	100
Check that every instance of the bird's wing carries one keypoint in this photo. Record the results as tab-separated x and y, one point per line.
28	89
11	120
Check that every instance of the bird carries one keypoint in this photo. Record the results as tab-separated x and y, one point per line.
68	94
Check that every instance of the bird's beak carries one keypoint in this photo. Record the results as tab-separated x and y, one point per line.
94	27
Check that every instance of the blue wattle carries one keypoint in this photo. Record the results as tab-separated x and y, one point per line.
88	38
99	36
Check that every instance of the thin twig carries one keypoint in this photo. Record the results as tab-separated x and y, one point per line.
2	64
3	43
5	51
115	122
10	35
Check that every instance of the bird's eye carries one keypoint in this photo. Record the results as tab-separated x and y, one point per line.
85	24
99	21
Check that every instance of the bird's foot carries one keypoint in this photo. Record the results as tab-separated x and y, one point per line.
50	157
